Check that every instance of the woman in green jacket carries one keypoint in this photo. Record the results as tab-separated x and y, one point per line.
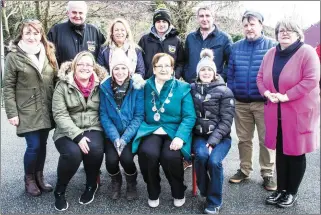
78	135
30	69
165	135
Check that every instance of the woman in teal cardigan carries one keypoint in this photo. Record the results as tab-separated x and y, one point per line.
165	135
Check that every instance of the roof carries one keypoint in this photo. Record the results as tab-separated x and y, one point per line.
312	35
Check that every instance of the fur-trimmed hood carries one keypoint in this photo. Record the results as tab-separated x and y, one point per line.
137	80
66	74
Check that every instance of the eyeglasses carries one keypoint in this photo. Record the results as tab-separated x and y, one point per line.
282	31
163	66
85	65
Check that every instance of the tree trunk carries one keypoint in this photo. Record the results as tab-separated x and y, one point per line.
38	10
5	21
45	20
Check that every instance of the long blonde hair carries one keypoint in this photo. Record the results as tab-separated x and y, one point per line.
129	35
49	47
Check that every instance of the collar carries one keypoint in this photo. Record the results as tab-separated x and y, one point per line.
76	27
257	41
213	33
154	32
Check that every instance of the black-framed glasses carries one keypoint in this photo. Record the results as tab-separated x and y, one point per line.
288	31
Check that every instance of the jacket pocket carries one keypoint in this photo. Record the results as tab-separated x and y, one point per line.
305	122
26	98
216	47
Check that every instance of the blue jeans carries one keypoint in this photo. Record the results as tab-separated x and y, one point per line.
35	155
209	169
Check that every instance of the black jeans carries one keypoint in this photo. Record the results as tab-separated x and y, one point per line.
290	169
154	150
71	157
112	159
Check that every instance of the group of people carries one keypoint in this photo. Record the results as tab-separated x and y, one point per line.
116	99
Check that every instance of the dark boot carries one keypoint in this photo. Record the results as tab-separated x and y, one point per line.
116	182
31	185
45	187
60	198
131	191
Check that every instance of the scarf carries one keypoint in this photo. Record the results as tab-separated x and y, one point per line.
77	28
86	90
130	52
119	91
31	51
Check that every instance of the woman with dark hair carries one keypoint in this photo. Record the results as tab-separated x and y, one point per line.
288	77
30	69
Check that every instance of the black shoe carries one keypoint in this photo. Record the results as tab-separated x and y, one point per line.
287	200
60	201
274	198
89	195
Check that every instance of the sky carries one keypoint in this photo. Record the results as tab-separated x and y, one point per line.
305	13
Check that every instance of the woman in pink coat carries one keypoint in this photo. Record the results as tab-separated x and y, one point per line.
289	78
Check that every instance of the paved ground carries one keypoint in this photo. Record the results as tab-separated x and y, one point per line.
245	198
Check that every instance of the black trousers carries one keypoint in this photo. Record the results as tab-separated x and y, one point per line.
290	169
154	150
71	156
112	159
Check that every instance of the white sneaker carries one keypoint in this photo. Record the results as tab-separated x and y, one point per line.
153	203
179	202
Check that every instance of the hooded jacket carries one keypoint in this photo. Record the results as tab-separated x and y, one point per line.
122	122
72	113
27	91
172	45
214	106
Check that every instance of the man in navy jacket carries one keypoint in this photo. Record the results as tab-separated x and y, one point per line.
207	36
75	35
244	63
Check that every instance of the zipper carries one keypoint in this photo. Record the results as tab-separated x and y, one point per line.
248	74
31	97
34	91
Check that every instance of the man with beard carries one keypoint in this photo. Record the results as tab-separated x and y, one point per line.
244	64
75	35
207	36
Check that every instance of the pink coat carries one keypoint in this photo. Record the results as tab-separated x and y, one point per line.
299	79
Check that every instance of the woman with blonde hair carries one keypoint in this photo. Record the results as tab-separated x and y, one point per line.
30	69
120	37
78	135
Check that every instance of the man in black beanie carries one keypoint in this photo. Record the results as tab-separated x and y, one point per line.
163	37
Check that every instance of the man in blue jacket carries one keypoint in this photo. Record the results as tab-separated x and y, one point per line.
75	35
207	36
244	64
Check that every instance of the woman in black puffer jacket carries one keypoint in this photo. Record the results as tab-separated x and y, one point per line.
214	107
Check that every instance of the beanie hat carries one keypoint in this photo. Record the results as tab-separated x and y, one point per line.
162	14
250	13
119	58
207	59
